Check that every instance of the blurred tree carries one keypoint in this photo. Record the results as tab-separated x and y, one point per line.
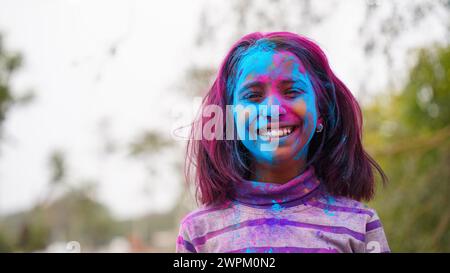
78	216
10	63
65	213
5	241
58	167
147	148
74	216
409	134
384	26
197	81
34	232
149	143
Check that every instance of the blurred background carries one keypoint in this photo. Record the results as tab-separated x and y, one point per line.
90	92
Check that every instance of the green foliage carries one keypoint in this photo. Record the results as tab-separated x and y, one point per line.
5	241
73	216
409	135
10	64
58	166
79	217
427	97
149	142
34	231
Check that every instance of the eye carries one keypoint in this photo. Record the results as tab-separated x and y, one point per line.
252	96
292	93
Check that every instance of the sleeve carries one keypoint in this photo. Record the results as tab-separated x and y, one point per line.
184	244
376	241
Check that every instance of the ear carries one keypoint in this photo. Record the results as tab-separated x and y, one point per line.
319	120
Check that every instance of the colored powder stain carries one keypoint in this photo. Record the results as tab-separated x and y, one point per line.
270	250
237	219
274	222
276	207
249	250
330	201
300	108
259	186
319	234
262	62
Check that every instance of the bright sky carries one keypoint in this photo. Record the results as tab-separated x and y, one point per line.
66	43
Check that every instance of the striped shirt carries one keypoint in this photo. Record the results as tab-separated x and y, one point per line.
298	216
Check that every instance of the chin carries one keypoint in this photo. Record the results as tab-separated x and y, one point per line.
280	156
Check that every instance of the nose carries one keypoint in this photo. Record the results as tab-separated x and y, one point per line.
272	101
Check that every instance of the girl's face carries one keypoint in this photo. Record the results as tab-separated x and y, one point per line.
267	79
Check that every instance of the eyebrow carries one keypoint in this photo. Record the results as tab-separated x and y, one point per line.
291	81
250	85
282	82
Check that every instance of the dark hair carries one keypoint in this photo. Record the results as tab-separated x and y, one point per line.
337	154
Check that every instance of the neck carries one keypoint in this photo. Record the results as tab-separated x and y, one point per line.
279	173
270	195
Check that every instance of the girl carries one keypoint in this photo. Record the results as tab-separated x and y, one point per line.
299	195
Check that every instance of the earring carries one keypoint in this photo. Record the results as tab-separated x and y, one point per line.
319	128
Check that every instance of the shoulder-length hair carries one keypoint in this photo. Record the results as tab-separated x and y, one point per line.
337	154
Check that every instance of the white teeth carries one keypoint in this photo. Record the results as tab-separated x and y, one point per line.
276	132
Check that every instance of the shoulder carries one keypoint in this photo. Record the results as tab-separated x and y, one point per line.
368	216
345	205
355	206
360	219
200	218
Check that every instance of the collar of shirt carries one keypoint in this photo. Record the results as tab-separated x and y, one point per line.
264	194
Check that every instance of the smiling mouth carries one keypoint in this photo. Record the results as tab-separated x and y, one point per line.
279	132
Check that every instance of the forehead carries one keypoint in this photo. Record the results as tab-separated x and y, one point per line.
269	64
